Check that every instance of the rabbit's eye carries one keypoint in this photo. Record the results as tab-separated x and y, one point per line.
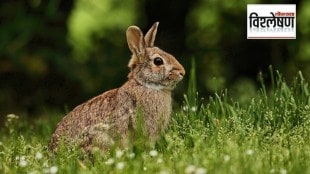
158	61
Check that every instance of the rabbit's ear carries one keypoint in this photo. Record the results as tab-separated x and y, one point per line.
150	35
135	40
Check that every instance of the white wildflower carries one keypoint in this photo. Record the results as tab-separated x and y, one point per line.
12	116
226	158
272	171
201	170
283	171
153	153
22	158
193	108
144	168
250	152
131	155
110	161
119	153
159	160
53	169
190	169
120	165
1	143
185	108
39	155
22	163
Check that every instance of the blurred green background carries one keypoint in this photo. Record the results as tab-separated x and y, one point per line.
56	54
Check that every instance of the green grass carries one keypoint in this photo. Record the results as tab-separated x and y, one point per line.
269	134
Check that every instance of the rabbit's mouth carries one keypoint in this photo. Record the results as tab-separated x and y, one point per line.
168	83
171	82
160	86
175	77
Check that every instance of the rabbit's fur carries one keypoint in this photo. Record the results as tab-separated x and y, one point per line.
112	115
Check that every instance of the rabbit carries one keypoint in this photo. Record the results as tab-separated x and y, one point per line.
113	115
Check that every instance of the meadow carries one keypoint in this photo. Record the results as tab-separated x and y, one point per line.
268	134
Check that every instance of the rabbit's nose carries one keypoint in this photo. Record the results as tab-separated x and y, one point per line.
179	70
182	71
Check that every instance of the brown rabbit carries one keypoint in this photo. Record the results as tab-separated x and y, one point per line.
111	116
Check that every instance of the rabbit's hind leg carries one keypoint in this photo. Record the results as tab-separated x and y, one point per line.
96	136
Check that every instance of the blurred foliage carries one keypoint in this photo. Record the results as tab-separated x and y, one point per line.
99	19
57	53
303	53
33	55
217	36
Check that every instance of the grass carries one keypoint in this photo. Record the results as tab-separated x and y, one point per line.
269	134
